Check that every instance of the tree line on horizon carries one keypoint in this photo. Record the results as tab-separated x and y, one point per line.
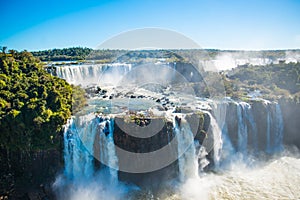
109	55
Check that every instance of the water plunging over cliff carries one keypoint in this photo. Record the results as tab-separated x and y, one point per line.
87	74
187	159
226	140
80	143
234	135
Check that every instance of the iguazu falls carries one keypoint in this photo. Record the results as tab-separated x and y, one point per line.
158	140
150	100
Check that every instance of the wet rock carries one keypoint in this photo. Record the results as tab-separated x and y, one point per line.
178	120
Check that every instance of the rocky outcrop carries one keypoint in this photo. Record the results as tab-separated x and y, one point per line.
125	138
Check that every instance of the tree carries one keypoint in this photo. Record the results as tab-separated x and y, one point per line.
4	48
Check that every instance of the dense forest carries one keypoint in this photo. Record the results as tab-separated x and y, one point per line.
106	55
74	53
33	104
273	81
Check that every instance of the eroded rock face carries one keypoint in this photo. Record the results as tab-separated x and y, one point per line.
29	175
291	119
128	135
259	121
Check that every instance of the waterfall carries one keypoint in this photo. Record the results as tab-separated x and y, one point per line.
226	150
253	126
278	128
243	139
247	125
92	74
107	148
269	123
274	128
214	141
187	160
242	128
78	156
84	133
202	160
79	141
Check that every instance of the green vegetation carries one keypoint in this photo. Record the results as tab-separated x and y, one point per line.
74	53
33	104
273	81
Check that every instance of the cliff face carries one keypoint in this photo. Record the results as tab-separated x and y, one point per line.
28	175
131	137
256	126
291	118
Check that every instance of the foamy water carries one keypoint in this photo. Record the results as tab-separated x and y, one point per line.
276	179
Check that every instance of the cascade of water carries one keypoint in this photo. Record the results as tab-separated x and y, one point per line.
219	111
202	160
274	129
247	125
278	128
79	138
91	74
253	126
187	160
214	141
269	124
78	156
107	148
242	128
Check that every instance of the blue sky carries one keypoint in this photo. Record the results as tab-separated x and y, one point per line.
221	24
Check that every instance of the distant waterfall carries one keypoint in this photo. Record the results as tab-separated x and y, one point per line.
79	141
87	74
